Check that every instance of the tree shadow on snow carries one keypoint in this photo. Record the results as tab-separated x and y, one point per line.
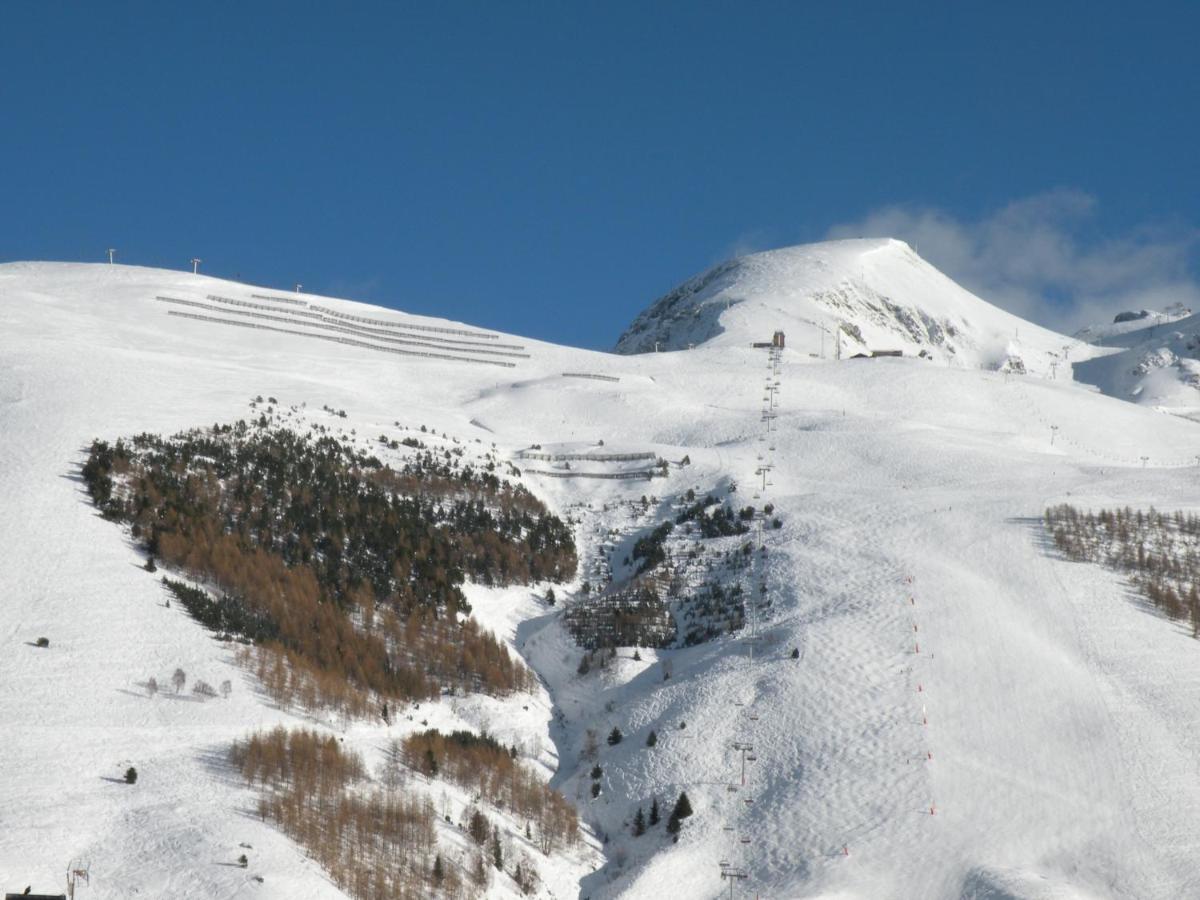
164	694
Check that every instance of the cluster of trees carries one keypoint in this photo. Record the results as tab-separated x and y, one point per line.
681	810
650	551
636	616
721	522
713	609
498	849
484	766
412	535
1160	551
373	843
341	565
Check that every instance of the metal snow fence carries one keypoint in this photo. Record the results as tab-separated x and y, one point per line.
590	375
292	300
393	324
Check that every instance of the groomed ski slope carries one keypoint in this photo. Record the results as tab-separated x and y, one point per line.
1060	712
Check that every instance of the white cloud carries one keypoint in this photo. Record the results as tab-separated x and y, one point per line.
1035	258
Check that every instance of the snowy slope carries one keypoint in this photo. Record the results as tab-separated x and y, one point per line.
869	295
1048	719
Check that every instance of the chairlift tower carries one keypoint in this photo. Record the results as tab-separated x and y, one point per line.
734	875
112	252
78	871
763	469
196	265
747	751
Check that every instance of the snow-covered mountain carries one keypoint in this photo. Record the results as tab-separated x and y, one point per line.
936	705
1150	357
849	297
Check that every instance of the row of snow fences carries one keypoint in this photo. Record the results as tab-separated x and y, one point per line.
229	301
292	300
386	323
637	473
590	375
339	340
491	349
586	457
409	341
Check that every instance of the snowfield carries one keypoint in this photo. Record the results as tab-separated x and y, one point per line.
968	715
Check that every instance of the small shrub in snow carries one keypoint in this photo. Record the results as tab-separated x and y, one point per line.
203	689
43	642
131	775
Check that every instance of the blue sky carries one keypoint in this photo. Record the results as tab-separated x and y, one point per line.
550	168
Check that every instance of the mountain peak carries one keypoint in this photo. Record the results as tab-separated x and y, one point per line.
868	294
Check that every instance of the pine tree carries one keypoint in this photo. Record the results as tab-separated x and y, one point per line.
615	737
683	806
497	850
651	738
639	823
438	872
683	809
653	812
478	827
